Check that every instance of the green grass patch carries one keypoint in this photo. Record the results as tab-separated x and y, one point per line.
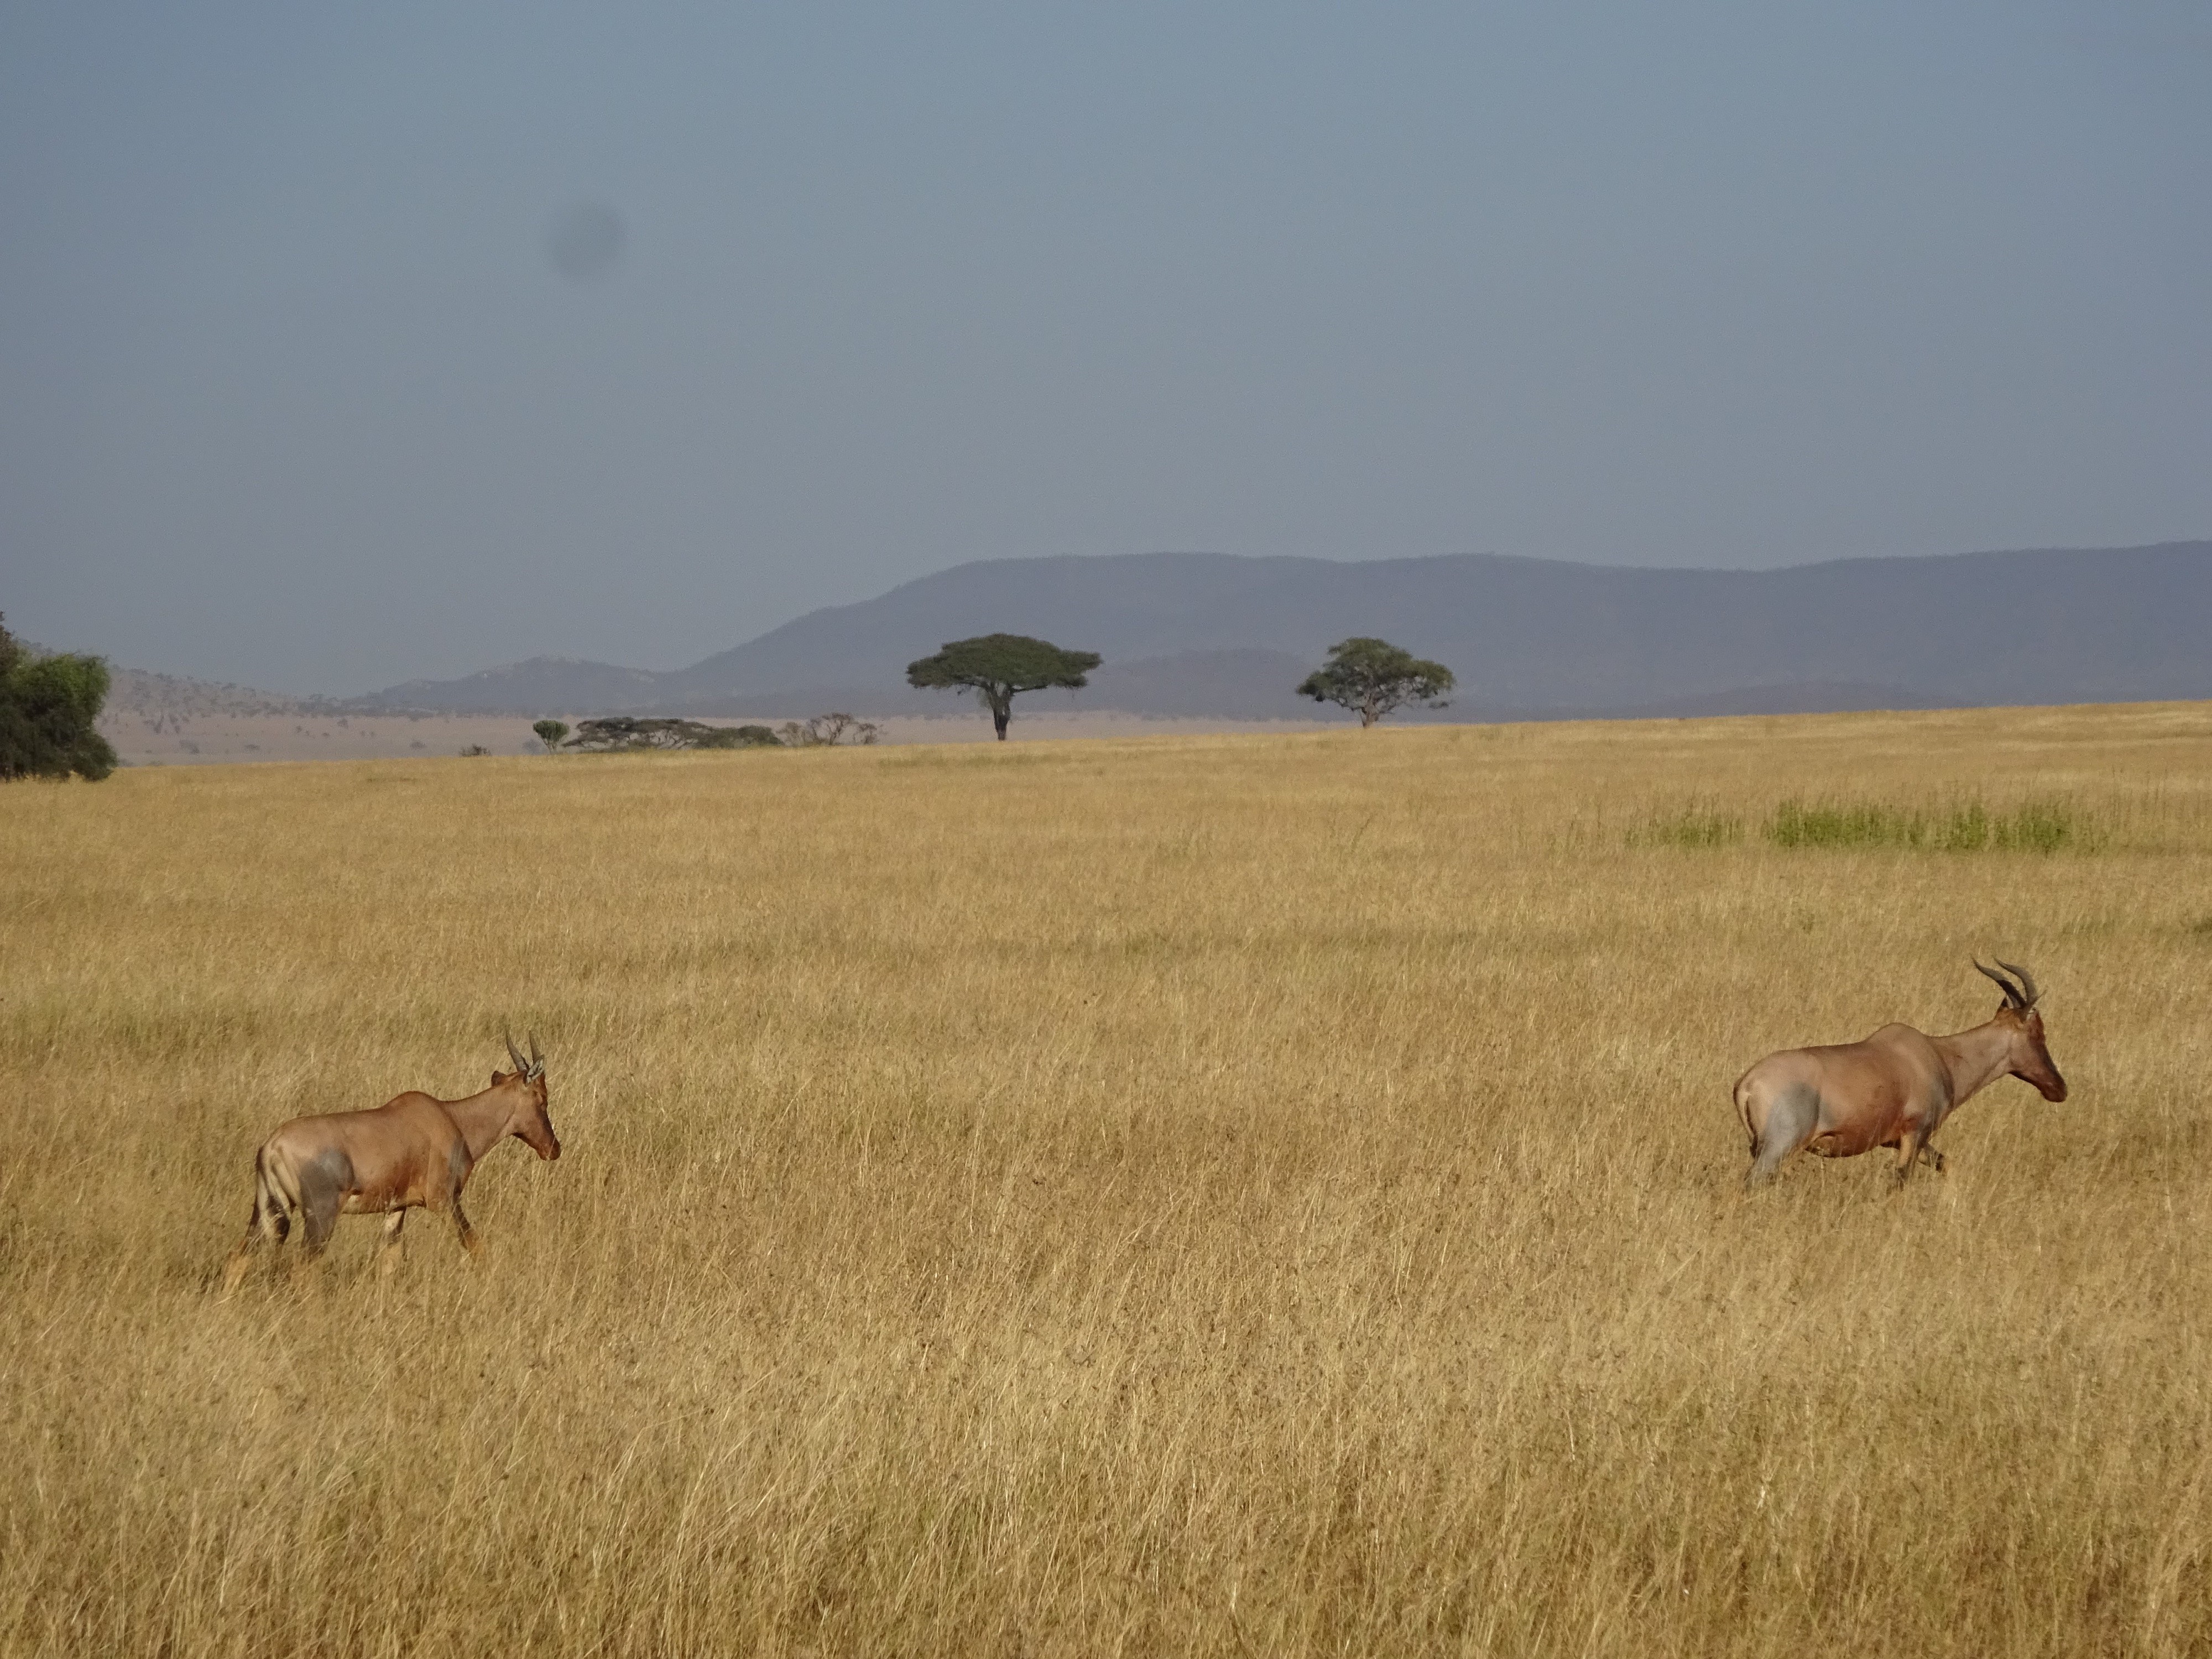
1962	827
1968	826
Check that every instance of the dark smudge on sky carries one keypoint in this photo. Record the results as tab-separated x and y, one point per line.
585	240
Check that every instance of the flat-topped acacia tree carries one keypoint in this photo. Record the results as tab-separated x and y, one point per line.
1371	677
999	667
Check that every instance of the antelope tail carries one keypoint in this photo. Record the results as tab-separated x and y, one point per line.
275	1185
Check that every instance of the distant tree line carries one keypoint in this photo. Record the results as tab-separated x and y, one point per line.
614	733
1371	678
49	714
828	731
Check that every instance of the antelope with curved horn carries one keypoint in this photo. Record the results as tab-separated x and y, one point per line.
1894	1089
413	1151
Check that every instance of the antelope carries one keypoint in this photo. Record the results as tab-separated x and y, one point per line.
1894	1089
413	1151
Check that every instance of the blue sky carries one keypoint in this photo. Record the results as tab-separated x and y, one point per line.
297	396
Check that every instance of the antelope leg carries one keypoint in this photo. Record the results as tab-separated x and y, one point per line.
1908	1154
387	1254
241	1259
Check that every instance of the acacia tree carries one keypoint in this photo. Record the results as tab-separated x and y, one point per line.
49	707
549	732
999	667
1372	677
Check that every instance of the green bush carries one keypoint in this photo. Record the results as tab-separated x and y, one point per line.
49	710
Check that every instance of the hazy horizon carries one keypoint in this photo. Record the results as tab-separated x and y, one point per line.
350	348
343	693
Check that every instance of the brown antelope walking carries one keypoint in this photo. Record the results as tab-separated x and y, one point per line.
1894	1089
414	1151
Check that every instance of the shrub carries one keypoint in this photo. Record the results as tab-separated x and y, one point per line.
826	731
49	714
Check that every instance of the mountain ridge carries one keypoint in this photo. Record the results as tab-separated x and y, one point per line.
1528	638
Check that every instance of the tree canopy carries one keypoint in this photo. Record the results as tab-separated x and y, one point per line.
1371	677
999	667
49	709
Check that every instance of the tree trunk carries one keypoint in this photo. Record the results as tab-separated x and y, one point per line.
1001	712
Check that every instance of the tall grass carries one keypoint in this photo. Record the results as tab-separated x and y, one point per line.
1230	1196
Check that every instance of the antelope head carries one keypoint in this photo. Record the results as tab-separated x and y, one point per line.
2029	1060
529	1121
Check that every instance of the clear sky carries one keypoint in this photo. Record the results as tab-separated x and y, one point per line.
344	344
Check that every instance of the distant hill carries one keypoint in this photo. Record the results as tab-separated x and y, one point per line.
1218	635
540	685
135	691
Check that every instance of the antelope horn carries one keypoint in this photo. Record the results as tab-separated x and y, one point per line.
515	1054
2013	998
536	1060
2028	993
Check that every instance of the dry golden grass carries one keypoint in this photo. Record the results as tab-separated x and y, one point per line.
1245	1195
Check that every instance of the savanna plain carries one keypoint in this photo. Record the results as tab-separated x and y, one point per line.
1252	1195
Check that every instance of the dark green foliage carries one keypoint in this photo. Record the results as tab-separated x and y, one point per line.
999	667
549	732
612	732
49	710
1371	677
